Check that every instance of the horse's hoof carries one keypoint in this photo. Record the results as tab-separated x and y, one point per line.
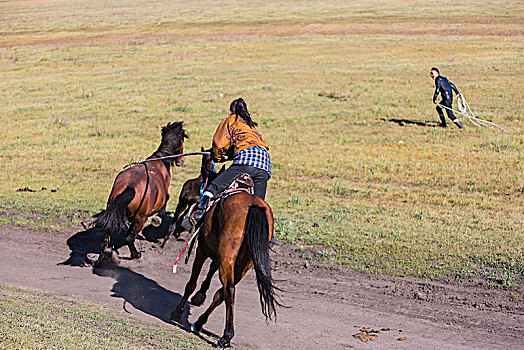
194	328
223	343
138	255
156	221
176	315
198	299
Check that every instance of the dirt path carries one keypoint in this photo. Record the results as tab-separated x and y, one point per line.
327	306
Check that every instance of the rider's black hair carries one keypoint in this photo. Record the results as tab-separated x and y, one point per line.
435	69
239	107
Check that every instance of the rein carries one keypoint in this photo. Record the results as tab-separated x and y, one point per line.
166	157
145	192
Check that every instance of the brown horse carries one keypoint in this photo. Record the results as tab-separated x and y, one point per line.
190	194
141	191
235	234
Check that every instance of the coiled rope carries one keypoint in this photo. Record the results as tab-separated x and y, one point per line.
463	107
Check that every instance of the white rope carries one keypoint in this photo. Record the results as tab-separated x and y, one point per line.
463	110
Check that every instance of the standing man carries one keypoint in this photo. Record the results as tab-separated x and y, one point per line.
445	88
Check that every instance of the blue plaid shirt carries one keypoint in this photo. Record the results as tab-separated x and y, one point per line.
256	156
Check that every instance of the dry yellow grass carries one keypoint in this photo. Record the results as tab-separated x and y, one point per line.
86	86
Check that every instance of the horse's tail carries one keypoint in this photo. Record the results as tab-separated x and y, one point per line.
257	231
114	218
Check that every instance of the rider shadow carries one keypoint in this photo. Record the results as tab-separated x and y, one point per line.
148	296
89	242
403	122
142	293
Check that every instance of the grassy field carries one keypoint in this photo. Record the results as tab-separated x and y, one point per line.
86	85
32	320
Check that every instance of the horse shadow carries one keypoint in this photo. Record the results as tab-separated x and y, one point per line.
148	296
90	241
155	234
142	293
87	242
403	122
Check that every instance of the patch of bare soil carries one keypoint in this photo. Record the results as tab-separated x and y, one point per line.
326	306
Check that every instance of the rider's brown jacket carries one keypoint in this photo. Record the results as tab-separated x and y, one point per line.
232	136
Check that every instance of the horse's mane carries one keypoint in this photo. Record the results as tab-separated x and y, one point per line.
173	135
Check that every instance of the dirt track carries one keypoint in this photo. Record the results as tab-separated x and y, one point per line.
327	306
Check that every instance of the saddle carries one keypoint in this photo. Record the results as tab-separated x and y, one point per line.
242	182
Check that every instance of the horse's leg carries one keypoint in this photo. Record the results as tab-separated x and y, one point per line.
217	300
227	278
105	244
180	208
133	231
200	296
229	330
200	258
159	216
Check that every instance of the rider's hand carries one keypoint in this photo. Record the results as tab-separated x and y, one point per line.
435	102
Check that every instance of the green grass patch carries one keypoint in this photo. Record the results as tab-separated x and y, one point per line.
33	320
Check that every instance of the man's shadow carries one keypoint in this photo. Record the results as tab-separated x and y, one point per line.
403	122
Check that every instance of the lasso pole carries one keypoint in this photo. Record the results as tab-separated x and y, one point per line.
167	157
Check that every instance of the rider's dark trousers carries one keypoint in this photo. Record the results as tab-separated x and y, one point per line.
259	177
447	103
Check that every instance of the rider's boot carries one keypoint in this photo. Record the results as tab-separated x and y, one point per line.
191	221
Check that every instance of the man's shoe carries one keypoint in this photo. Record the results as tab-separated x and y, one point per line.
442	125
456	121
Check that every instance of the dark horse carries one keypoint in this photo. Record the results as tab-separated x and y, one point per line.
235	234
190	194
141	191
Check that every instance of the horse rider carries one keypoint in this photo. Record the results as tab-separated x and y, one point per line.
445	88
236	138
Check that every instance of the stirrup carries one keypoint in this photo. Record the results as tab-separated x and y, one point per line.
188	223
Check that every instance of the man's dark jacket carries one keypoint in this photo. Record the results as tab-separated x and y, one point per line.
444	86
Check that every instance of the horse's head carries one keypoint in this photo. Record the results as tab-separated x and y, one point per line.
207	170
208	166
173	135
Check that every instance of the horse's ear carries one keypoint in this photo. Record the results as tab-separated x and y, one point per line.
202	148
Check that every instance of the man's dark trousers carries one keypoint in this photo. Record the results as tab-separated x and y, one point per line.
447	103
